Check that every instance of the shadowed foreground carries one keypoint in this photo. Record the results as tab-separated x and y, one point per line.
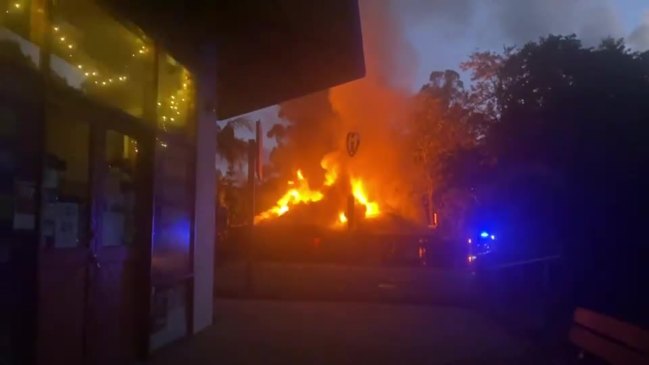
279	332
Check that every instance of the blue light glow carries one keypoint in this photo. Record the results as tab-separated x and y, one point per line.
484	234
493	237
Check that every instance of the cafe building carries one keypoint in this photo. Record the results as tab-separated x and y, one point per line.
107	148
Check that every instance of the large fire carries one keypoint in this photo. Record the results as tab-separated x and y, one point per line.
300	192
382	176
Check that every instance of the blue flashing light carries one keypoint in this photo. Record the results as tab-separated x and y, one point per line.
484	234
493	237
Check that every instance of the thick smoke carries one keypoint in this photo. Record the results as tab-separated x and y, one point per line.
376	106
523	21
449	12
516	21
639	38
310	132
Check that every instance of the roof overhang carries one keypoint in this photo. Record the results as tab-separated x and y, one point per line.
268	50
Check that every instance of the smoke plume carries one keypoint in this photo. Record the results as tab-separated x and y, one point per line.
374	107
639	38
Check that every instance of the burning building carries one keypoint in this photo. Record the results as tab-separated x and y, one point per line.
107	125
321	178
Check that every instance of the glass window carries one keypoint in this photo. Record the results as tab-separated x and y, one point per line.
95	53
15	16
175	95
66	187
119	190
22	22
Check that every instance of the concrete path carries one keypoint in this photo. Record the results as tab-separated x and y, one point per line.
415	285
288	332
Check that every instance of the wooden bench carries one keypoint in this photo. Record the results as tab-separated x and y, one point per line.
609	339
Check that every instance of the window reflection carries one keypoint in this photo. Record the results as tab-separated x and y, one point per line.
100	56
66	186
118	216
175	97
15	16
21	28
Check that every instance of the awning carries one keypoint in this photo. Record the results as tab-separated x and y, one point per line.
268	50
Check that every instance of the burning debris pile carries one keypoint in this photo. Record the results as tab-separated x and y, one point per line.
299	192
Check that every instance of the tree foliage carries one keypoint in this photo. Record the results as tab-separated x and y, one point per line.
232	149
566	141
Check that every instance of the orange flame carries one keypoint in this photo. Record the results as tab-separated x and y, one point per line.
342	218
299	193
331	170
358	190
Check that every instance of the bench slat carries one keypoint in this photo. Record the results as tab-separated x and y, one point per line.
609	351
621	331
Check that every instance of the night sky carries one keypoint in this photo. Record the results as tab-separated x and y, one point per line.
444	32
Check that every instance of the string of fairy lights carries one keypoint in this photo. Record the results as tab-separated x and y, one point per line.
14	7
170	108
92	74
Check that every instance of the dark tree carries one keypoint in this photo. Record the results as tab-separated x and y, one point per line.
569	142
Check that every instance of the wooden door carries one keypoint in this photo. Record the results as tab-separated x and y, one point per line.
119	296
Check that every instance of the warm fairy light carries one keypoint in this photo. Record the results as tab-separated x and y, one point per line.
342	218
175	104
17	5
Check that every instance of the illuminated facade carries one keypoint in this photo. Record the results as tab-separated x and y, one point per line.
107	162
111	120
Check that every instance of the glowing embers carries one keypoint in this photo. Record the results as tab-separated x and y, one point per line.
360	194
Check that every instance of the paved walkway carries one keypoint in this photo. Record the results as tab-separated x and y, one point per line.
286	332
